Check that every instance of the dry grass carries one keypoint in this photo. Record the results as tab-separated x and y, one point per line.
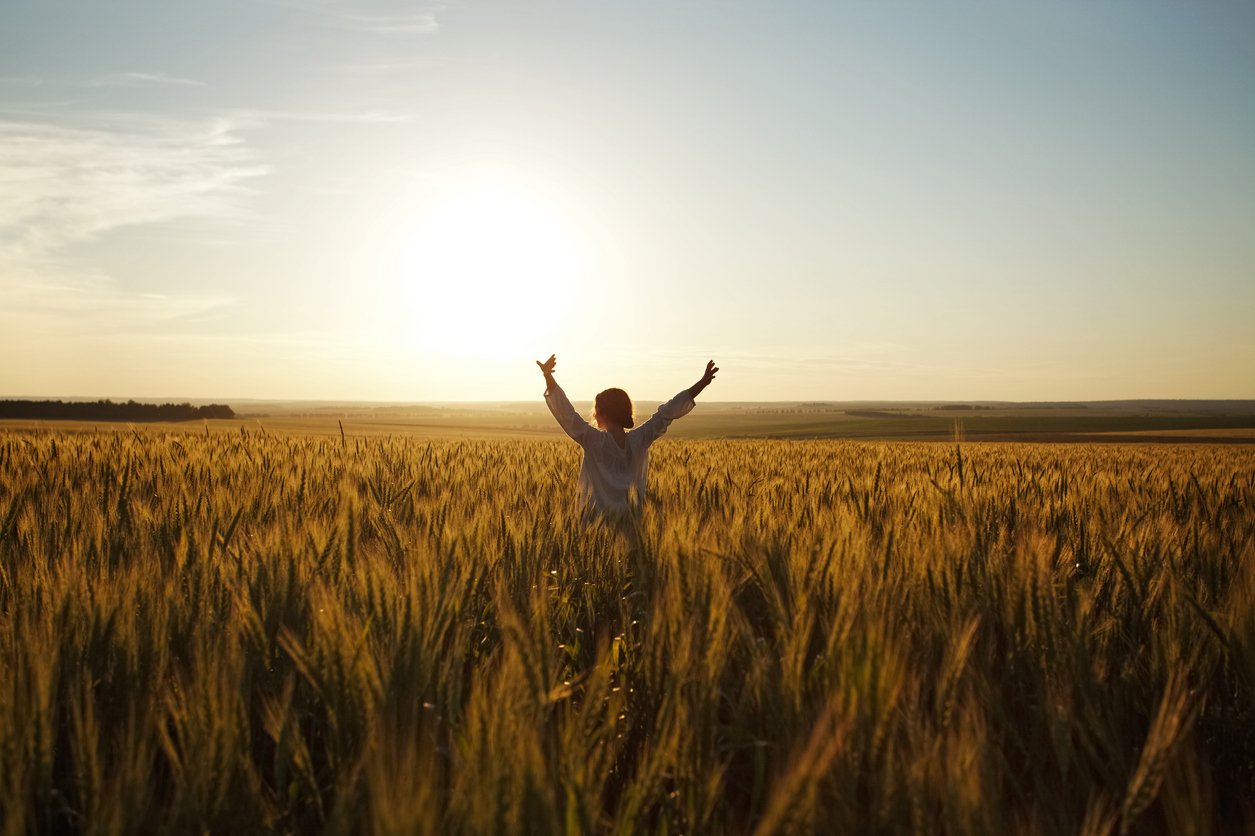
243	634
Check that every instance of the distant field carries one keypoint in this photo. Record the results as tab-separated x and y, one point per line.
1246	433
1169	422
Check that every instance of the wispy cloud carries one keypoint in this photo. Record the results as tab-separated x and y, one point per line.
90	302
376	18
408	23
143	79
256	117
64	185
373	68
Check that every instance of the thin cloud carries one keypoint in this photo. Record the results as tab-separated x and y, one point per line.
62	184
143	79
355	117
370	18
257	118
411	23
377	68
90	298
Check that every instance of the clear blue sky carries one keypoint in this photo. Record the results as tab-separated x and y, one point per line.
412	201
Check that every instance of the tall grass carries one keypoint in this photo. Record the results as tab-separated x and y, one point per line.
232	633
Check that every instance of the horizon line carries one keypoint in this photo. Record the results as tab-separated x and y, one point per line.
484	401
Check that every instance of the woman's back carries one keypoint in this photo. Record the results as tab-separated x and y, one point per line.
616	458
612	476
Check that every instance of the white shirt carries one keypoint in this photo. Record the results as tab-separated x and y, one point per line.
609	472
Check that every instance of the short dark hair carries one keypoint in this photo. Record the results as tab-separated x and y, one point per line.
615	405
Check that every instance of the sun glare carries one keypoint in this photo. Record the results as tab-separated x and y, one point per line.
487	271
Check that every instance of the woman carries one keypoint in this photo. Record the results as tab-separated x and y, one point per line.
615	460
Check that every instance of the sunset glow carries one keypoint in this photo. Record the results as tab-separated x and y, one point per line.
386	200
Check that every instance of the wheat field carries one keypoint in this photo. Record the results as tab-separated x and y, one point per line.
236	633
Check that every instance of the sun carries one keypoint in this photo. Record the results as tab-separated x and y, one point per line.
487	270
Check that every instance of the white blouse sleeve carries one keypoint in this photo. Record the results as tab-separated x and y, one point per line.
679	406
567	417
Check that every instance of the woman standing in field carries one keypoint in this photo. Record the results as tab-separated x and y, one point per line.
615	460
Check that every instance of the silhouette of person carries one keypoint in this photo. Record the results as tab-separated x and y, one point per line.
616	456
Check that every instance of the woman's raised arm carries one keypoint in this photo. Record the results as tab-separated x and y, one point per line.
560	406
677	407
546	368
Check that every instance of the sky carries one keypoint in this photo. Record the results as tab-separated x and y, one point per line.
412	201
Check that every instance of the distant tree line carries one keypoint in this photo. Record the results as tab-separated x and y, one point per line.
110	411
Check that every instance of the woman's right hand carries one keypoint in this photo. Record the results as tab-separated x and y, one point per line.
546	368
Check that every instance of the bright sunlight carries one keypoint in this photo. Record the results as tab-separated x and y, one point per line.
487	270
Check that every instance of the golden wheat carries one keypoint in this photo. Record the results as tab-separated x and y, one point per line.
230	633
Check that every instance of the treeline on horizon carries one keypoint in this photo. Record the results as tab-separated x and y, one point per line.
107	410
